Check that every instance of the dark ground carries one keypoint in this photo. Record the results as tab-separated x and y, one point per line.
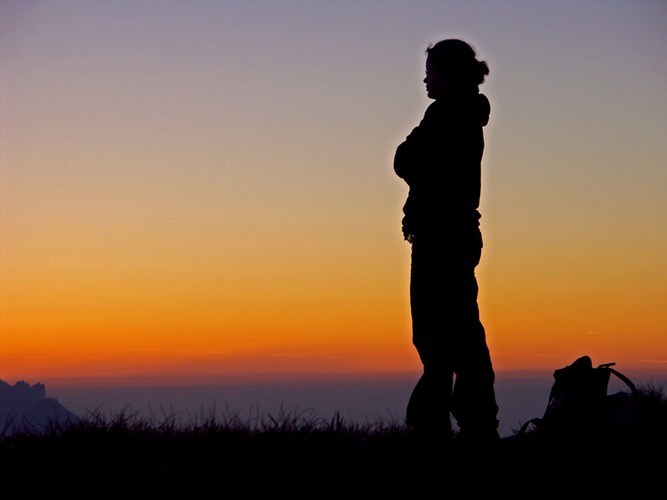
219	463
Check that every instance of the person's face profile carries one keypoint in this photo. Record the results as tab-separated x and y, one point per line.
437	84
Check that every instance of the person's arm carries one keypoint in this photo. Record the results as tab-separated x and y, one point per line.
413	155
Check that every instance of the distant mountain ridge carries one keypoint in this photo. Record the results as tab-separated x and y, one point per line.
26	407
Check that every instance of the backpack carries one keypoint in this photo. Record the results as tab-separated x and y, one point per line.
579	403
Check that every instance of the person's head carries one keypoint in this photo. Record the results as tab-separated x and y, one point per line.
452	68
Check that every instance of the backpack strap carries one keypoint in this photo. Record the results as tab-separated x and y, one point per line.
534	421
629	383
625	379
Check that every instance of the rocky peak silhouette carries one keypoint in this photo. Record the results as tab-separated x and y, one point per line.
25	407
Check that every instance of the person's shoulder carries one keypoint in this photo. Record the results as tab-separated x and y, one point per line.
437	105
436	109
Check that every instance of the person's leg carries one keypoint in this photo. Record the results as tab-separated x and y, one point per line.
429	405
474	403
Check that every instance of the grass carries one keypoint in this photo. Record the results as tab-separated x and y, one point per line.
300	455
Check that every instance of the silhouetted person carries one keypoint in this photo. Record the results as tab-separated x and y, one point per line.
440	160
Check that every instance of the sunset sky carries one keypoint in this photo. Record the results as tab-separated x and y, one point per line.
202	190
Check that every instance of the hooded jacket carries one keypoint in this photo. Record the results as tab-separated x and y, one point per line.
440	160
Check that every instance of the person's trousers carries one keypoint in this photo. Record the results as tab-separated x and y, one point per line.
458	376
